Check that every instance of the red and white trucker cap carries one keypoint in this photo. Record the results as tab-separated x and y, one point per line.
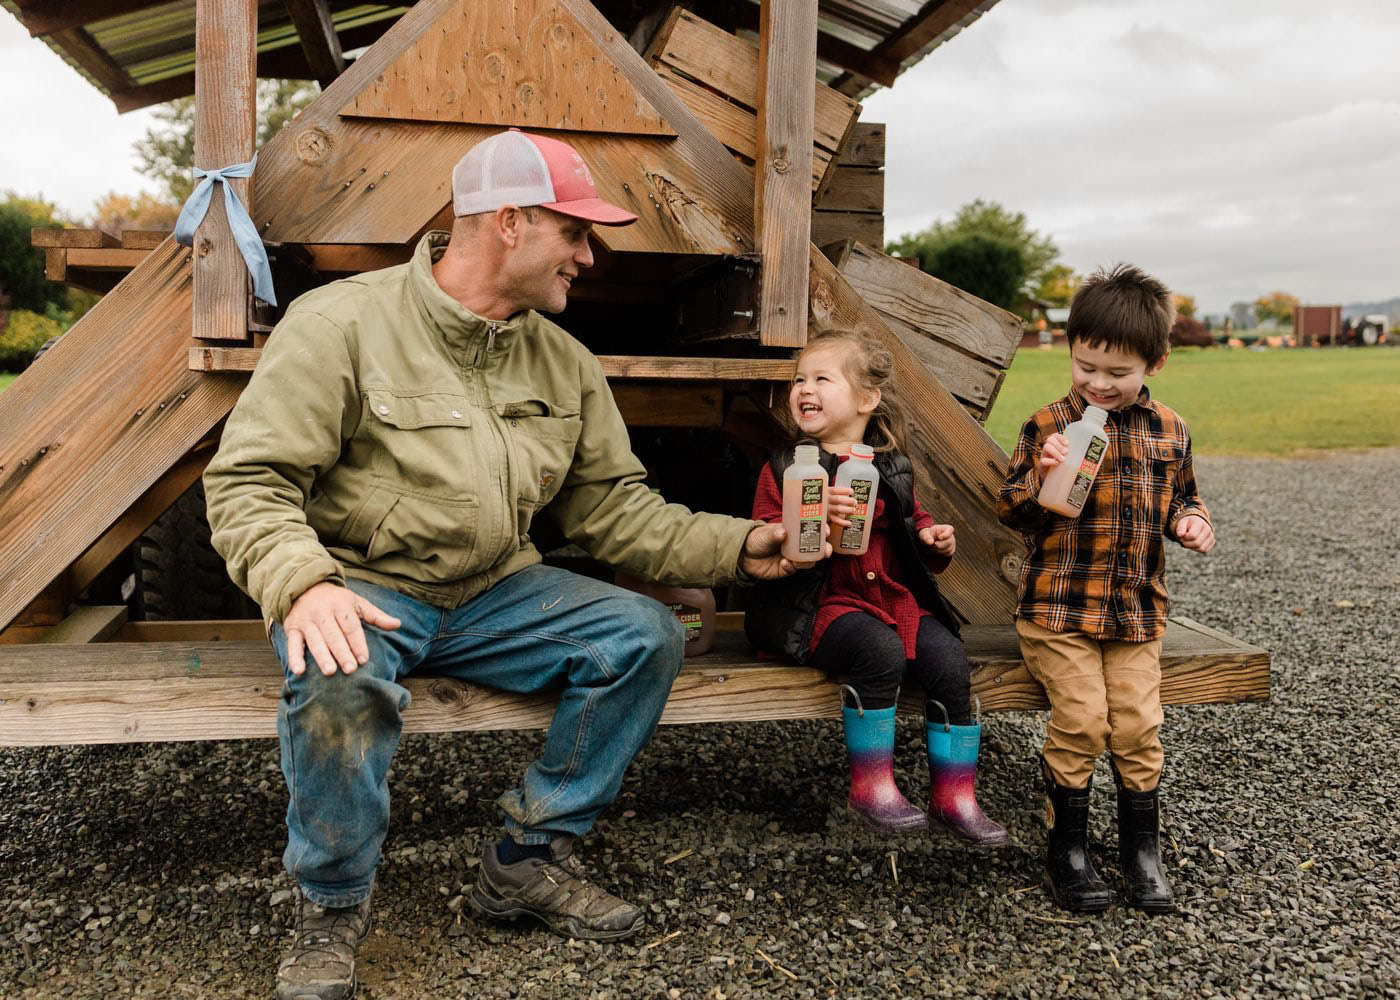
520	168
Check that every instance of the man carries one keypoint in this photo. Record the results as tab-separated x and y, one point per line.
373	492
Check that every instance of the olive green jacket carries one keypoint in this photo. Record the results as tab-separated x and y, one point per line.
390	435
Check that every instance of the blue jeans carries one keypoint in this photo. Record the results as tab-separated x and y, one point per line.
612	654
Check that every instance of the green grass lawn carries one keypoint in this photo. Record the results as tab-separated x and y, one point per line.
6	380
1240	402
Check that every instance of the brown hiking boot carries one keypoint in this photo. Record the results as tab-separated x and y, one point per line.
321	964
555	892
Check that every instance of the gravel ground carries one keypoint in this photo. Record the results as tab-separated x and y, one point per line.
155	870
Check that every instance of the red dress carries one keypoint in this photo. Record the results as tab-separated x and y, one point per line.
870	582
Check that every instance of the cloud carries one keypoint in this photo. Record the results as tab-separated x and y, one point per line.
1235	148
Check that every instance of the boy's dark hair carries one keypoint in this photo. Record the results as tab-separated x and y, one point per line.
1123	309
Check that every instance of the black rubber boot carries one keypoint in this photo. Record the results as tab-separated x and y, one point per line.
1074	882
1139	849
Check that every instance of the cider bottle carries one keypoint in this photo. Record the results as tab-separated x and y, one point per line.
863	478
804	505
1067	485
694	608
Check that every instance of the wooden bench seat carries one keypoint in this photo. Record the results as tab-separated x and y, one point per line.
161	684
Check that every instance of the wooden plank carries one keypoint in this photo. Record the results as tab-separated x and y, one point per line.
80	447
220	630
835	51
924	28
141	515
79	48
527	63
958	467
52	16
353	258
88	623
865	148
206	358
143	239
225	44
732	125
972	380
729	65
782	201
716	369
49	236
56	263
670	404
933	307
131	691
106	259
316	31
854	189
829	227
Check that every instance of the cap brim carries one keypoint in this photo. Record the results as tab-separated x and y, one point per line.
595	210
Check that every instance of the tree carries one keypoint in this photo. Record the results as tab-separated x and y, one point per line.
989	267
21	263
115	212
1057	285
1185	305
166	151
1277	306
989	219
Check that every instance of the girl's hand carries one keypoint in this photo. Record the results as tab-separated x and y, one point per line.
1053	452
1194	532
840	505
940	538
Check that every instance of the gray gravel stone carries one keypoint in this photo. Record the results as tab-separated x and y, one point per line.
154	871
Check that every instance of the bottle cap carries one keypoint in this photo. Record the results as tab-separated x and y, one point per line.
804	454
862	451
1095	414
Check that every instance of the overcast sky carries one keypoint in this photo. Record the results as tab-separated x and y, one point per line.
1231	148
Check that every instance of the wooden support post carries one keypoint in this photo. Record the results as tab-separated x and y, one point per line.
225	42
318	38
787	60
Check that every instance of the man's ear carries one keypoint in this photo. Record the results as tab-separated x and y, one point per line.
508	220
1159	364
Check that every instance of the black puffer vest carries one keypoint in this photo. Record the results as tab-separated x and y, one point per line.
779	614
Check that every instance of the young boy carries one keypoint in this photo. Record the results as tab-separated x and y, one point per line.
1093	605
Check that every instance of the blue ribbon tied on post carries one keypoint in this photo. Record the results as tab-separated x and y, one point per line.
245	234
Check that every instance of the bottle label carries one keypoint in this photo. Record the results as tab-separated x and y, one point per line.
689	617
852	533
1088	469
810	515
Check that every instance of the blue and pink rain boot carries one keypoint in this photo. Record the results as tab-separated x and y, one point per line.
870	749
952	765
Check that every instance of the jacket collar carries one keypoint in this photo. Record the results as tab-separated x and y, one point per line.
461	328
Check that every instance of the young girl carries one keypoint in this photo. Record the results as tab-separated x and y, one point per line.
874	618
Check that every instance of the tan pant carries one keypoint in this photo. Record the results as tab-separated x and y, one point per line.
1103	693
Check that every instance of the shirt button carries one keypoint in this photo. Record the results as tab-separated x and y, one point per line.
383	410
456	414
1127	513
870	575
1122	556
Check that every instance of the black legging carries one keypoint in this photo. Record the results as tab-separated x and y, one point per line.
869	656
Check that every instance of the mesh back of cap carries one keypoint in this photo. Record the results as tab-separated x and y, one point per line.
506	169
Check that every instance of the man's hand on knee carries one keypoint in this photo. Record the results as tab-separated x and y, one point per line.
325	621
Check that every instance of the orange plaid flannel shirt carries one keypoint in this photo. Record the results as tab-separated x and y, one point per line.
1103	573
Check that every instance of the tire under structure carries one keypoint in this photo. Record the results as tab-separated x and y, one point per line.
179	576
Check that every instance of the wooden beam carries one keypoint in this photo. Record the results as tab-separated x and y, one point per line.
670	404
316	30
782	195
48	236
836	51
52	16
225	44
935	19
88	623
122	692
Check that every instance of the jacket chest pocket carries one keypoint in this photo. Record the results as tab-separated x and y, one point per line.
420	442
542	442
